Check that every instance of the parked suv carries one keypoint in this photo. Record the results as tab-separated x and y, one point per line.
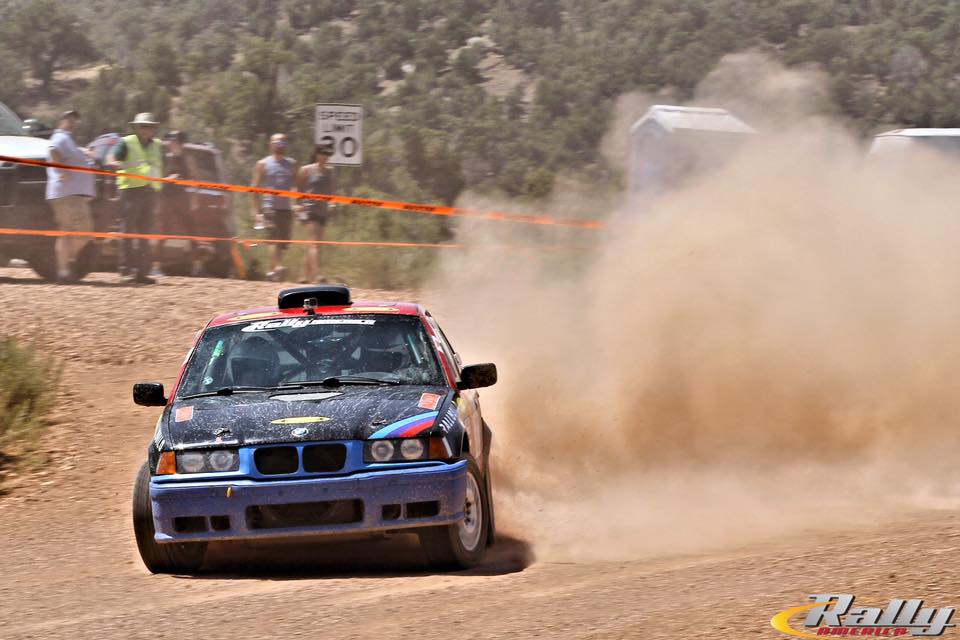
23	206
22	197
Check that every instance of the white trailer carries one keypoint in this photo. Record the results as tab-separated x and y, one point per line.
671	144
902	142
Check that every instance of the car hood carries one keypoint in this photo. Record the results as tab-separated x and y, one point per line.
313	414
24	147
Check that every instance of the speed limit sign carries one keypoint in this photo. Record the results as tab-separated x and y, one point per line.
341	126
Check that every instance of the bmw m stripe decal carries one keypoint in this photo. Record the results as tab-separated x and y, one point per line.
407	427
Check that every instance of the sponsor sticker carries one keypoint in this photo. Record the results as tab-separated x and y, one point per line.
429	401
299	323
182	414
300	420
406	428
833	614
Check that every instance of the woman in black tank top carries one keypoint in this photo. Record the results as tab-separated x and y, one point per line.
315	178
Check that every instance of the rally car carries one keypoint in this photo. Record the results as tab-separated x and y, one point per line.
319	416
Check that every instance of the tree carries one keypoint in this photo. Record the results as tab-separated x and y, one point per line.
538	183
158	59
263	59
47	35
465	65
11	80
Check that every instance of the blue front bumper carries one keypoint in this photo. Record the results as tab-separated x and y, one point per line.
232	509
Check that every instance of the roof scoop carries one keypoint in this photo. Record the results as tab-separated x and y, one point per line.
332	295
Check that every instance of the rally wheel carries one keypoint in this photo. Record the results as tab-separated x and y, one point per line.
87	260
182	557
42	259
461	545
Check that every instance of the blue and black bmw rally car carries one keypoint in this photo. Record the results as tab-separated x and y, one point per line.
318	416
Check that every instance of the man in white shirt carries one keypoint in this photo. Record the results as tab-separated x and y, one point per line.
69	193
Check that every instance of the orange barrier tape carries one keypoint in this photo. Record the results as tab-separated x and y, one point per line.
363	202
250	242
246	242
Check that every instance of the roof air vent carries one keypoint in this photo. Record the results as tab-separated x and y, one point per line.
337	295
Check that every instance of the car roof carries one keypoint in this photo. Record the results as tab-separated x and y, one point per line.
919	133
358	306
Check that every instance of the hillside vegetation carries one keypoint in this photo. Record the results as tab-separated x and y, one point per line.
494	96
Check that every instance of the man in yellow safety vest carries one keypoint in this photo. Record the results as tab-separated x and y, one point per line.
138	154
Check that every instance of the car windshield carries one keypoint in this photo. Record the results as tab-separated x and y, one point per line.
949	145
310	349
10	124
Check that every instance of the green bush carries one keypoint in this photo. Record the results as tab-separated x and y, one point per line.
28	383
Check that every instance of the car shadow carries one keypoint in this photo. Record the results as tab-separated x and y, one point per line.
396	556
81	283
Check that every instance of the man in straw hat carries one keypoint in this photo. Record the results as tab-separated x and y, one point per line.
138	154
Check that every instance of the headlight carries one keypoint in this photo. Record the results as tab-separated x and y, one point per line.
214	460
224	460
411	449
190	462
405	450
381	450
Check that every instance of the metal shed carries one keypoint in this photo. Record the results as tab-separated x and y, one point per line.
671	144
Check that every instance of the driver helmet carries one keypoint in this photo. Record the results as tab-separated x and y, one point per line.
254	363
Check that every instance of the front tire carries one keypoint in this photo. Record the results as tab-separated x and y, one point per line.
462	545
42	259
87	260
182	557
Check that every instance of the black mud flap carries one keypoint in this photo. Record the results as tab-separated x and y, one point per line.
487	441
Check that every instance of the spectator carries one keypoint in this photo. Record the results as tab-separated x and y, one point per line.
315	178
275	213
69	194
178	205
138	154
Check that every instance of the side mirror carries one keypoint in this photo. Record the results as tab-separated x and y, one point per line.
34	127
149	394
475	376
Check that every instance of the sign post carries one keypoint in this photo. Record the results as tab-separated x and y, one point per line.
341	126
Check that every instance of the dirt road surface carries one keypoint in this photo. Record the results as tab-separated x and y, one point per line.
69	567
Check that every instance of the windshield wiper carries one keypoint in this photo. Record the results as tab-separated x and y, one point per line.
336	381
227	391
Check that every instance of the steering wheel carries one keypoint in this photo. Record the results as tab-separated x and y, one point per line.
311	371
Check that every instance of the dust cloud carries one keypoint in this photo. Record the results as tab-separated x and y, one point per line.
773	349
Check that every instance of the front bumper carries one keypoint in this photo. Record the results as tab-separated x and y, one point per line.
368	501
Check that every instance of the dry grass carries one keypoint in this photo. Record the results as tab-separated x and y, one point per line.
28	383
